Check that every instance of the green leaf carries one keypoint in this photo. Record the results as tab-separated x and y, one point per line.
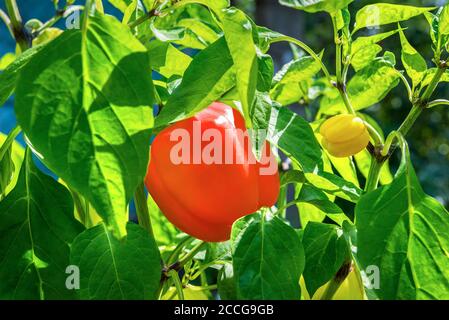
213	4
402	231
226	283
316	5
9	76
265	72
443	26
362	42
113	269
414	63
378	14
122	5
204	33
268	261
239	37
295	137
334	185
17	154
37	227
207	78
7	169
365	56
326	249
368	87
167	60
313	196
91	125
287	82
260	117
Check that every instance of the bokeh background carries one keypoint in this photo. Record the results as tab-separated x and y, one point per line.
429	139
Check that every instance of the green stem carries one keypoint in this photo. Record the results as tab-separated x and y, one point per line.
173	256
282	199
438	102
173	274
143	215
406	84
410	120
142	19
87	7
4	17
192	253
415	112
18	30
307	49
337	280
345	97
374	175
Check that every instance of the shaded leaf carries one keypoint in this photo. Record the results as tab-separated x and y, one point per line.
268	261
114	269
37	226
325	250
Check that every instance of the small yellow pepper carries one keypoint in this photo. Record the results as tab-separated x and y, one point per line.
344	135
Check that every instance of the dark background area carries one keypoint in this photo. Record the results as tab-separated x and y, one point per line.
428	140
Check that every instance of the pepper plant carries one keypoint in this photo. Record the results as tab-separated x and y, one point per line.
89	98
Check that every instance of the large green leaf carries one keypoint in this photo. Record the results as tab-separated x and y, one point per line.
287	82
414	63
295	137
84	102
368	87
326	249
115	269
316	5
239	37
37	226
378	14
268	260
207	78
403	232
9	76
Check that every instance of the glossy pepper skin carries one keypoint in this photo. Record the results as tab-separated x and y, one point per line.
344	135
203	200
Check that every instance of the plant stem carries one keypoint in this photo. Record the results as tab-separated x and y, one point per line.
142	19
178	285
307	49
87	8
20	34
344	94
192	253
438	102
4	17
282	200
374	175
143	215
337	280
415	112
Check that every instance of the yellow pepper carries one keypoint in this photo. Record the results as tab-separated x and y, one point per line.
344	135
